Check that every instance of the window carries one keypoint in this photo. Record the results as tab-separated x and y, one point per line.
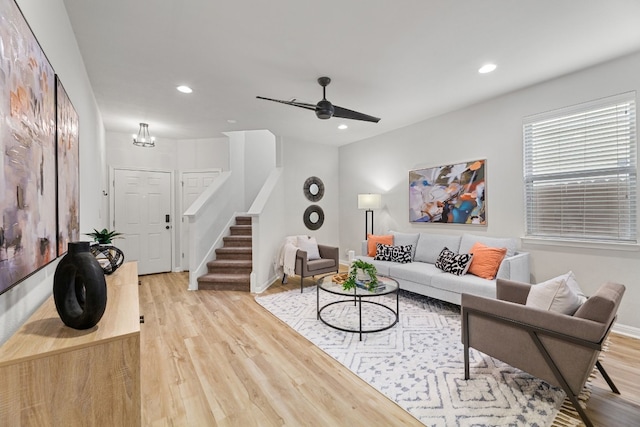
580	172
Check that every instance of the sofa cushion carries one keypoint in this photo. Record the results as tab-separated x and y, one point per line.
403	239
468	240
464	284
319	264
453	263
387	239
430	246
486	260
554	295
382	267
418	272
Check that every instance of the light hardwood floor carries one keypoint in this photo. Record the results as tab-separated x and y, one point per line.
217	358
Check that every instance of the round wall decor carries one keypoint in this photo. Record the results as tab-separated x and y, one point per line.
313	188
313	217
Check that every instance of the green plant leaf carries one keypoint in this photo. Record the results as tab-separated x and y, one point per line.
105	236
368	268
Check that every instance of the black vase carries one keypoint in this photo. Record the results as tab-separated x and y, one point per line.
79	287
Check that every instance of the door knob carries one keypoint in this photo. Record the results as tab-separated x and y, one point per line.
167	227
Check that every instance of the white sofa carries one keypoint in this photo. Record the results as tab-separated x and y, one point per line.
422	277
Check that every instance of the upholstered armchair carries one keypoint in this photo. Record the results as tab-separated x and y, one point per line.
327	263
558	348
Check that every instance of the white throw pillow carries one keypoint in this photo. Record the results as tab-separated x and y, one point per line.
573	284
309	244
554	295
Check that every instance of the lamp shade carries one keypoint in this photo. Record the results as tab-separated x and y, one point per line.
369	201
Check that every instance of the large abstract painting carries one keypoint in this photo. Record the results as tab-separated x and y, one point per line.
449	194
68	169
27	144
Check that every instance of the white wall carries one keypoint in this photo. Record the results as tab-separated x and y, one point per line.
49	22
303	160
169	155
491	130
259	161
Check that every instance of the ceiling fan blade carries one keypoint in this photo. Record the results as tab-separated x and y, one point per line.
354	115
294	103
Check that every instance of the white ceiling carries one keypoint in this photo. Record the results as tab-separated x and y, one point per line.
402	60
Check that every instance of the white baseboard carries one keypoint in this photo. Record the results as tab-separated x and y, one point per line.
178	270
260	288
629	331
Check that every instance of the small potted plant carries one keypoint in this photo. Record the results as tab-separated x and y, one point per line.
361	274
105	236
109	257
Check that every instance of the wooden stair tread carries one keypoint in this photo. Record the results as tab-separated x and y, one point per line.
225	277
231	262
234	249
242	287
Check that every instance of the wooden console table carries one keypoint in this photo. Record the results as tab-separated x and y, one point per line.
53	375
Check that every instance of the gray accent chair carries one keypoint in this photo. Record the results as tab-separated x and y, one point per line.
557	348
328	263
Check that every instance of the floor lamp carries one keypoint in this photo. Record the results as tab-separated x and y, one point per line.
368	202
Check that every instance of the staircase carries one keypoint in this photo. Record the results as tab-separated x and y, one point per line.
231	269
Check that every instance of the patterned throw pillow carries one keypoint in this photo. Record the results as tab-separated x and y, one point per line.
383	252
453	263
401	254
444	258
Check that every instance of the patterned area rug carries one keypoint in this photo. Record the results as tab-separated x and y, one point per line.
419	362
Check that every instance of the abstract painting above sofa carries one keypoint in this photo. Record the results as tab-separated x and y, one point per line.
449	194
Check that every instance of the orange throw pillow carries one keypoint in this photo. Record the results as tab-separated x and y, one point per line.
486	260
372	240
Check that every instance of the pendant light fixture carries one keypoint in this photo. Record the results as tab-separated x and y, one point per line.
143	139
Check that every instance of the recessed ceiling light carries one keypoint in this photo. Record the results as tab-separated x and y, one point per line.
231	121
342	126
184	89
487	68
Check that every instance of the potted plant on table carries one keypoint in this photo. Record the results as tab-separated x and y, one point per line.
361	274
109	257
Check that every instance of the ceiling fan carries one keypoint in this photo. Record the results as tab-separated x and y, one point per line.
325	109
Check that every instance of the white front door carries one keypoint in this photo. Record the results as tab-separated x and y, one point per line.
142	211
193	184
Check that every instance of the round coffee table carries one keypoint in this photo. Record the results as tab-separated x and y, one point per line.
358	297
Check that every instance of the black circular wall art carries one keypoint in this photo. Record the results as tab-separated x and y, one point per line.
313	188
313	217
79	288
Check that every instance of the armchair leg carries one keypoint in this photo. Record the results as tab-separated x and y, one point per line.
466	361
607	378
563	382
576	405
465	341
301	280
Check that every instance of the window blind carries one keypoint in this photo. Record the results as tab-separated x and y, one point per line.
580	172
